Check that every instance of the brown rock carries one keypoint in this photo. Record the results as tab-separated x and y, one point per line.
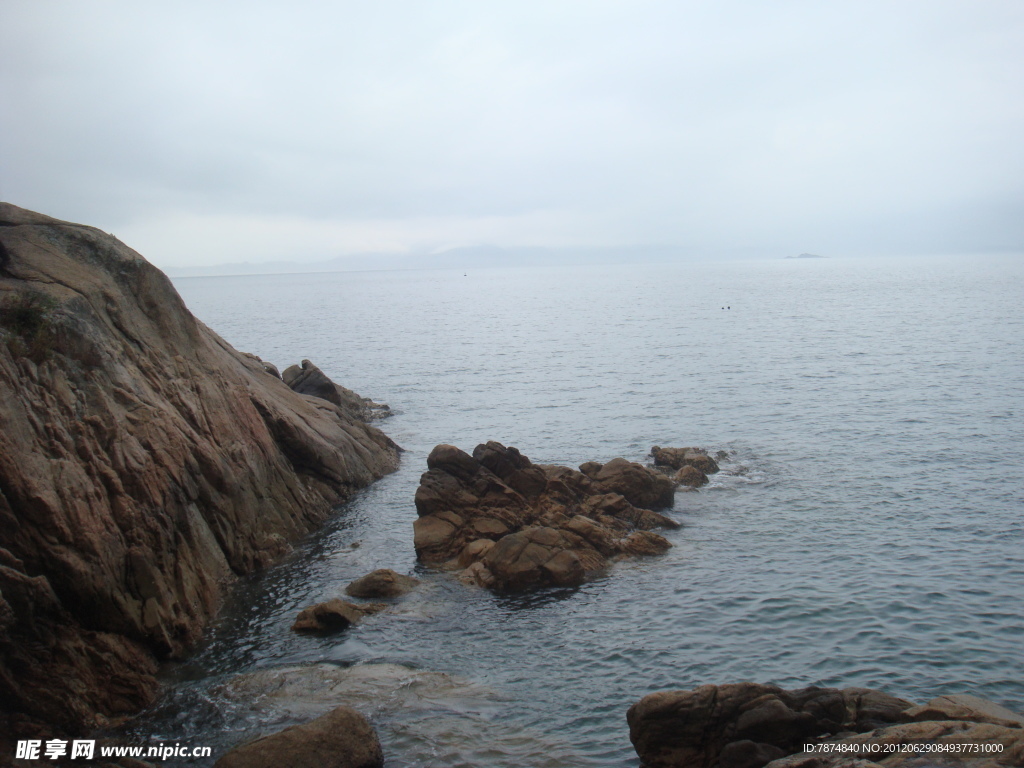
963	706
143	462
310	380
434	538
747	725
700	460
477	575
516	562
644	543
748	754
474	551
453	461
333	616
894	747
677	458
514	525
742	721
642	486
691	476
669	457
340	739
381	583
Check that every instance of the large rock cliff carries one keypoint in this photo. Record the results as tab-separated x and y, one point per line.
143	461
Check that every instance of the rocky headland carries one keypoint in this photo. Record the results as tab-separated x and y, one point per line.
750	725
143	463
513	525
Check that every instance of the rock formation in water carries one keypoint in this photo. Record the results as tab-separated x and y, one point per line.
748	725
381	583
512	524
693	465
310	380
143	462
333	616
679	458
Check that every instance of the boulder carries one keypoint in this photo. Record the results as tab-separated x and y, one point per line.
342	738
640	485
690	476
333	616
926	744
748	725
309	380
513	525
144	462
673	729
381	583
677	458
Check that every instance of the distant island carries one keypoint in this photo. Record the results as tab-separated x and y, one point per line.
807	256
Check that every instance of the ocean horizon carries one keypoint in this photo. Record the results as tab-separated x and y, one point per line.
865	529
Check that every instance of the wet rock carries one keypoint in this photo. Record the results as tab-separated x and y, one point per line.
645	543
342	738
691	476
381	583
310	380
671	729
438	714
513	525
677	458
928	744
747	725
144	462
964	706
333	616
639	485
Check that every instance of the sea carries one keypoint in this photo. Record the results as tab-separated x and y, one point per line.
866	528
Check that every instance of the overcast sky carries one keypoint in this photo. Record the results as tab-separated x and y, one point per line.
202	132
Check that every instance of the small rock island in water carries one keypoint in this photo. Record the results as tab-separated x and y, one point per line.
513	525
807	256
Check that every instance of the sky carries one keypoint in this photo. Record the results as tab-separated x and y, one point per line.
205	133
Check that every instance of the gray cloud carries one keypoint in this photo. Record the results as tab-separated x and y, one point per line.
221	132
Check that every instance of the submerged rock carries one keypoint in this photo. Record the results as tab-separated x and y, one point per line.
342	738
381	583
333	616
143	462
459	721
748	725
513	525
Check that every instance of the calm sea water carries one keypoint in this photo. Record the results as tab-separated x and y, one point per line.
867	529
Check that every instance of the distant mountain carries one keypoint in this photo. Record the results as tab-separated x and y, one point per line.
807	256
466	257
